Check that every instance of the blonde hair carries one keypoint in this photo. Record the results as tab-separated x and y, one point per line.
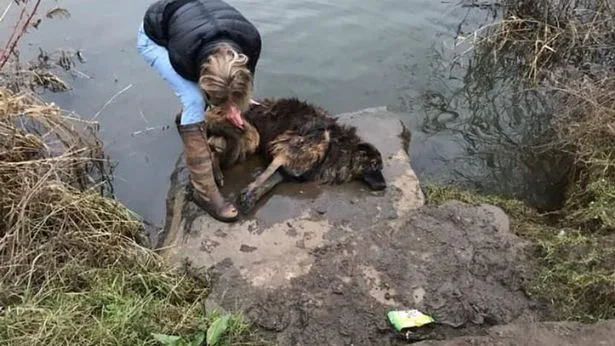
225	77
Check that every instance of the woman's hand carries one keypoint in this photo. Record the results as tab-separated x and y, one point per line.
234	116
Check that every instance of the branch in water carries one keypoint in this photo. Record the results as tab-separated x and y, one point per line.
18	33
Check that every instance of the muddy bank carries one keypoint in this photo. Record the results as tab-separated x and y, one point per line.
458	263
538	334
322	265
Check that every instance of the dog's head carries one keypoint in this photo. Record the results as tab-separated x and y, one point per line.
369	164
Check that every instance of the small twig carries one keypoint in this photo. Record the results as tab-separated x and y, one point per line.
111	100
143	116
11	49
81	73
5	51
5	12
149	130
67	157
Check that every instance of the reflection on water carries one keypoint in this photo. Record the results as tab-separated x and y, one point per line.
471	123
497	127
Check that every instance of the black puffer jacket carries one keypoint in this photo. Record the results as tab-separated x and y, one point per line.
190	29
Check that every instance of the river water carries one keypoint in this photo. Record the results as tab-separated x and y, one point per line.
341	54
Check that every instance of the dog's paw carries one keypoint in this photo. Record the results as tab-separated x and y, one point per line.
246	200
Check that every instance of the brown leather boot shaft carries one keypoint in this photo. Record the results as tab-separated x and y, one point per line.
198	158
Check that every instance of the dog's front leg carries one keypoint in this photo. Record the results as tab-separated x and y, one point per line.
264	183
217	147
215	163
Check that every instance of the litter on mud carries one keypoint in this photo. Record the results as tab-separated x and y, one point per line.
408	322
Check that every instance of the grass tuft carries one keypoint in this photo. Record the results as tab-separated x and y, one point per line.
540	37
577	275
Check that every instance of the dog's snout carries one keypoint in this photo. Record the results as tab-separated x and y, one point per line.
374	180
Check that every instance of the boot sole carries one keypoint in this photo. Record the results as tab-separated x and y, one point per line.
208	207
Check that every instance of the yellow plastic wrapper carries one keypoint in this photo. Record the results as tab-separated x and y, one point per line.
406	319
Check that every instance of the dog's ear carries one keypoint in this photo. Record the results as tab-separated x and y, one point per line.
370	155
371	166
367	148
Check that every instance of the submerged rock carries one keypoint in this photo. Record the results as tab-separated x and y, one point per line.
321	265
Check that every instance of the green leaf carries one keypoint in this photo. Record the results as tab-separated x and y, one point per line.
217	328
167	340
198	339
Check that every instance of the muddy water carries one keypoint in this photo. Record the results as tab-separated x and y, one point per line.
342	54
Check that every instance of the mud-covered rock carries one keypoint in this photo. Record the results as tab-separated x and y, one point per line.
456	262
321	265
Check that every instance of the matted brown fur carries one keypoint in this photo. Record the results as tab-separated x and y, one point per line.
295	129
306	143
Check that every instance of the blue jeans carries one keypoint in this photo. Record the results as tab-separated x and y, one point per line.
190	95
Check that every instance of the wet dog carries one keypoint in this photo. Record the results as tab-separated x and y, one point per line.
228	144
301	142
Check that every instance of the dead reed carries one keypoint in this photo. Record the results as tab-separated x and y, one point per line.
541	37
586	129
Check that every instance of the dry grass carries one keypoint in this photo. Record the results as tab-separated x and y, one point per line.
41	176
586	129
540	36
62	242
71	267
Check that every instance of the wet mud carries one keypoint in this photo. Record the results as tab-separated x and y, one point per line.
458	263
538	334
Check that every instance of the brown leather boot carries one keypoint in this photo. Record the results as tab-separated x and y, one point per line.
204	191
218	175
